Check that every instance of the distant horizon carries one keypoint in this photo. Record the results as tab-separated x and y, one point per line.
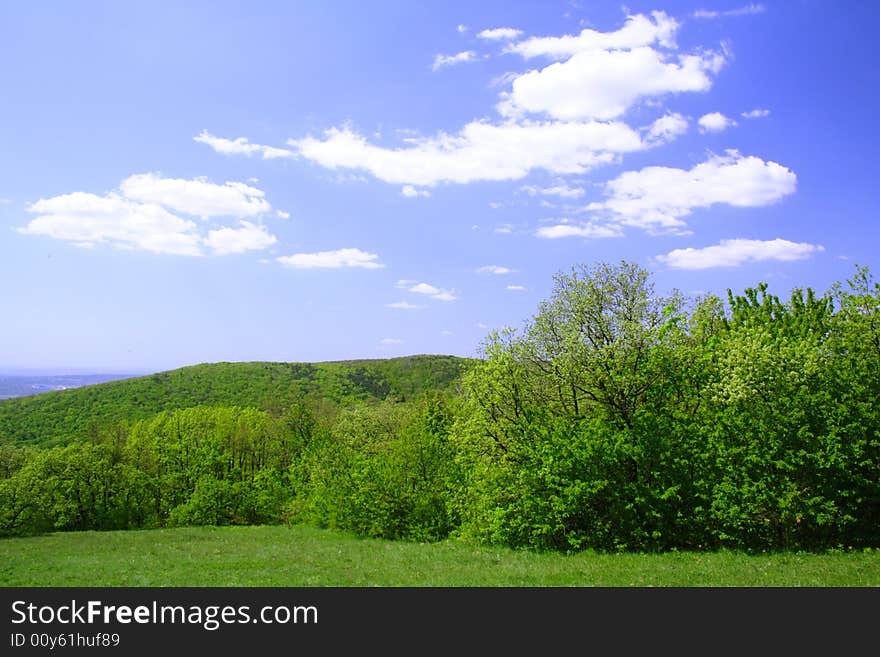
86	371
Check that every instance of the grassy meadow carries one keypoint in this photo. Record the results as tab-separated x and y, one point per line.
305	556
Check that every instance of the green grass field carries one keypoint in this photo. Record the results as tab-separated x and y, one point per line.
305	556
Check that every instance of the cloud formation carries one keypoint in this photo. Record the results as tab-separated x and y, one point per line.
736	252
604	84
144	214
495	269
247	237
658	198
427	289
338	259
560	189
714	122
639	30
564	118
480	151
500	34
411	192
241	146
196	197
87	219
442	61
749	9
403	305
586	230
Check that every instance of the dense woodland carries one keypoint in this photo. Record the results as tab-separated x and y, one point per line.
615	419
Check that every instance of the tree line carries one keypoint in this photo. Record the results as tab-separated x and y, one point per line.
615	419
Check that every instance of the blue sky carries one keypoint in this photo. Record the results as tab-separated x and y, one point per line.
198	182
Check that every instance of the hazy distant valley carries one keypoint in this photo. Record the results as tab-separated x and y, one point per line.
26	385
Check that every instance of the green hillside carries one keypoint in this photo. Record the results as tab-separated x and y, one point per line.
57	417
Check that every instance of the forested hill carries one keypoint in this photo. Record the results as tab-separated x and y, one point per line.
58	417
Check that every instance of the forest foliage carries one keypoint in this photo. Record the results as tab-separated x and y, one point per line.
615	419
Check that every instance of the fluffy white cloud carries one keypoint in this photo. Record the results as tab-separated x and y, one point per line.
748	9
603	84
403	305
248	237
196	197
495	269
462	29
658	197
427	289
144	214
441	61
500	34
516	288
586	230
480	151
715	122
560	189
332	260
639	30
757	113
86	219
241	146
735	252
667	128
411	192
282	215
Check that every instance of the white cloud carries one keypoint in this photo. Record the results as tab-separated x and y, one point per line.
500	34
516	288
241	146
282	215
480	325
658	197
603	84
249	237
332	260
196	197
144	214
462	29
667	128
427	289
748	9
756	113
480	151
736	252
411	192
638	31
391	341
441	61
87	219
714	122
503	229
585	230
403	305
560	189
495	269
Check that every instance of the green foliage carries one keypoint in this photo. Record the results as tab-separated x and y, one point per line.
58	417
616	420
383	471
619	420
